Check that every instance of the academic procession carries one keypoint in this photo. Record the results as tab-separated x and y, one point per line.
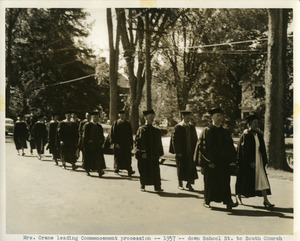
213	152
179	119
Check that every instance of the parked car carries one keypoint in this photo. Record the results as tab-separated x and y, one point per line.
9	126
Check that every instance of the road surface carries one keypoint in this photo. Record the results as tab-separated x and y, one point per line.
42	198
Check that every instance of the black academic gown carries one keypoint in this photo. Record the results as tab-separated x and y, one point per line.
121	134
148	140
40	136
215	145
245	184
93	140
68	134
52	138
20	135
184	140
30	125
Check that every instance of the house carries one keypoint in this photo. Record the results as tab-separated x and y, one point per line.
252	95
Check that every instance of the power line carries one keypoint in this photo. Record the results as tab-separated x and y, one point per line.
70	81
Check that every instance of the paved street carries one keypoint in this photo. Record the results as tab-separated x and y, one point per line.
42	198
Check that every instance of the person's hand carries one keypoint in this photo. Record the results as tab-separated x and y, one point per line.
211	165
252	164
117	146
144	155
62	143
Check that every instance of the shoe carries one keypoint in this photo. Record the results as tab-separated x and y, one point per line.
239	200
180	188
74	167
64	166
117	171
56	163
158	189
189	187
23	154
39	157
229	207
269	205
143	188
88	174
130	173
101	173
234	204
206	205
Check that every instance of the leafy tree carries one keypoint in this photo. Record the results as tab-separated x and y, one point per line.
50	43
209	75
132	27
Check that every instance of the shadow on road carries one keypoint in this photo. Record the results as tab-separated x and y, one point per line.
116	177
177	195
253	213
276	209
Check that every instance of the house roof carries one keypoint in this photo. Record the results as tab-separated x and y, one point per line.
123	81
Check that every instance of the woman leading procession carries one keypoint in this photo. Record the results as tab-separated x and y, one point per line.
252	178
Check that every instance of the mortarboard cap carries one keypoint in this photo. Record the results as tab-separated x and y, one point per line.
95	112
215	110
185	112
147	112
252	117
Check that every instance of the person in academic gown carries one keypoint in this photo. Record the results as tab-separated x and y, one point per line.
20	134
52	138
30	123
252	178
149	148
40	135
184	140
68	138
122	140
93	140
81	131
214	153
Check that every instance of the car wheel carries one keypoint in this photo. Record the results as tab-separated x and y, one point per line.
290	162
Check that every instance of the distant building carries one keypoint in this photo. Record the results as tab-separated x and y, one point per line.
252	93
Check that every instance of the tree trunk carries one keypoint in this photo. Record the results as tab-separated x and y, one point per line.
148	63
113	68
275	80
129	45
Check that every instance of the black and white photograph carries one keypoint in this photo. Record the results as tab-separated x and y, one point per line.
149	120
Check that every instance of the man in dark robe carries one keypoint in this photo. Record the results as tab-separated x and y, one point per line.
52	138
80	132
121	138
68	137
20	134
149	148
30	123
214	153
184	140
93	140
40	135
